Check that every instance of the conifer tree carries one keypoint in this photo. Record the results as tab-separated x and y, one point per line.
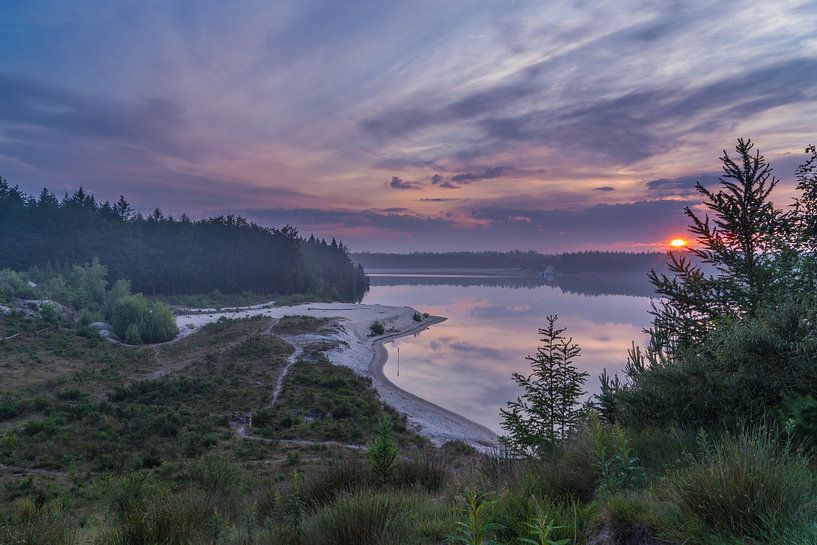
547	412
743	241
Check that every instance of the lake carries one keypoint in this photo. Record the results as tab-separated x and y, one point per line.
465	363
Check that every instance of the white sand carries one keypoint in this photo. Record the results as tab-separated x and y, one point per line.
366	356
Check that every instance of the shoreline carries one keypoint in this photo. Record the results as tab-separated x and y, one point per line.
367	356
476	435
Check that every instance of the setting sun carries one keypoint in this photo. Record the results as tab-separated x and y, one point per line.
678	243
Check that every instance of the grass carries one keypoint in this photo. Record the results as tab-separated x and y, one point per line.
321	400
137	447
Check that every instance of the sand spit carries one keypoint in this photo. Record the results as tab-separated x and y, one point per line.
367	355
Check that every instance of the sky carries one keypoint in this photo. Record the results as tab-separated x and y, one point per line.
407	125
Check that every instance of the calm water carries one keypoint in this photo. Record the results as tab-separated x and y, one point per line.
465	363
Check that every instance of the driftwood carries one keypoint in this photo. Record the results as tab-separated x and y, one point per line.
11	337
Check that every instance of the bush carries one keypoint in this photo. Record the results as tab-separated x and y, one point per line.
426	470
14	285
748	485
322	486
220	479
138	320
42	524
377	328
364	518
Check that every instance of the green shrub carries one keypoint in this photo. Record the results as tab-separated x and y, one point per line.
377	328
138	320
426	470
747	485
382	453
476	526
364	518
221	480
14	285
40	524
323	485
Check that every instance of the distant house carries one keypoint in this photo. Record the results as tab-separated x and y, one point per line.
548	272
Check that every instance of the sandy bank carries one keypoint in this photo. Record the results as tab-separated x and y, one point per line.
367	356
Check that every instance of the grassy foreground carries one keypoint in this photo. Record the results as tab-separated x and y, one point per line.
105	444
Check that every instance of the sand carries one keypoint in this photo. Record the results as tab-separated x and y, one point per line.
367	356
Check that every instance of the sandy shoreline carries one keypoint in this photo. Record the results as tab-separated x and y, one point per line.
448	425
367	356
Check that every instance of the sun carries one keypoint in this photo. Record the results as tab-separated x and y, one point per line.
678	243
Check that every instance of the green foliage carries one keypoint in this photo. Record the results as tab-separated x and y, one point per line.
736	343
477	528
542	529
377	328
382	452
747	485
14	285
617	462
138	320
38	523
425	469
164	255
548	410
220	479
800	416
365	518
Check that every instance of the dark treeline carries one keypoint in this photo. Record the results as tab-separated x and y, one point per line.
163	255
569	263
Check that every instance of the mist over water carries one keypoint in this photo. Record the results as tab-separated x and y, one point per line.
465	363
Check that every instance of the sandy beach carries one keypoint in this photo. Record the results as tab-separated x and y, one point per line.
367	356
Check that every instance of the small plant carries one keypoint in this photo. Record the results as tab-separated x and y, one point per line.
418	317
293	458
616	460
542	528
477	528
9	442
382	453
377	328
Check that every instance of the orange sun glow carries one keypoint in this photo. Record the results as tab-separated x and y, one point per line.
678	243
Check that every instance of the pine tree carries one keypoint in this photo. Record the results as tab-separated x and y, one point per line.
382	453
743	241
547	412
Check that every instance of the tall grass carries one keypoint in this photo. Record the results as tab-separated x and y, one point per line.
371	518
41	524
750	485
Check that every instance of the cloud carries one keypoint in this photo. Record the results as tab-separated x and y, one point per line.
399	183
487	174
604	188
682	185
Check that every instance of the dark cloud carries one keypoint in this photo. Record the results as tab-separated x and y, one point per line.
603	223
399	183
604	188
31	111
683	185
487	174
441	199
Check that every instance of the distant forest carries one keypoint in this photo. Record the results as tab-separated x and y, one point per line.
164	255
568	263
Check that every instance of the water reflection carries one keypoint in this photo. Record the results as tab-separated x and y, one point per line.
465	363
